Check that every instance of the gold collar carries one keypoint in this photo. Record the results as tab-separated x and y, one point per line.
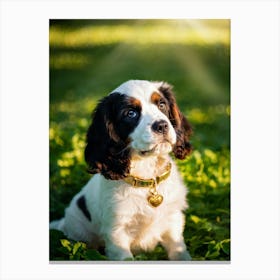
155	199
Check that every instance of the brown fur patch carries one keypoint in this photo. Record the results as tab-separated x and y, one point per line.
156	97
136	103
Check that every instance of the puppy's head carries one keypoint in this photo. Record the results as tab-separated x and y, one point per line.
139	118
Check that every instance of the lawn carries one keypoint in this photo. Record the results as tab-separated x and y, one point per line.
89	58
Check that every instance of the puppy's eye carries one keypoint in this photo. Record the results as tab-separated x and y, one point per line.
131	114
162	106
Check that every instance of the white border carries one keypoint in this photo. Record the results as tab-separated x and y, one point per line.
255	138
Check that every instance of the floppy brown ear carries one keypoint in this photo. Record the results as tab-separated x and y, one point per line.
183	128
105	152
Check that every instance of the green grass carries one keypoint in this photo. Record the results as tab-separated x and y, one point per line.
88	59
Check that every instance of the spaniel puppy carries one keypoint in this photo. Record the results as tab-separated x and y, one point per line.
136	197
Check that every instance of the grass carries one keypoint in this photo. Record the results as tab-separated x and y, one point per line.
89	58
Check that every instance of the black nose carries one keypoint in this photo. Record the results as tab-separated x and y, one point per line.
160	127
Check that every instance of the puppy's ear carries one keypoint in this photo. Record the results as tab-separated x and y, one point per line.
183	129
105	152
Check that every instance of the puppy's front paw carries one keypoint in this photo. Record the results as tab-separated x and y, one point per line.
180	256
118	254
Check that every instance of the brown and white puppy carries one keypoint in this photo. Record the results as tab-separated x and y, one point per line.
133	131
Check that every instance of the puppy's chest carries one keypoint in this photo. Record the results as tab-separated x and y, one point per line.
144	217
138	215
143	223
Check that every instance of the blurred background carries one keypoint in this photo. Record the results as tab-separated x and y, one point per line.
89	58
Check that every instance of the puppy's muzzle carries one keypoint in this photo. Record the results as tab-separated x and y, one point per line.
160	127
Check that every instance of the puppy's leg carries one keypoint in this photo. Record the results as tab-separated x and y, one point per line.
57	224
173	240
117	245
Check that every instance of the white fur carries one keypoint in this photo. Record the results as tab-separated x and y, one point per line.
120	214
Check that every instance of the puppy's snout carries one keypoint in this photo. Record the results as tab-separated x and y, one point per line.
160	127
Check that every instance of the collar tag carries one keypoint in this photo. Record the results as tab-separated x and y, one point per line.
154	198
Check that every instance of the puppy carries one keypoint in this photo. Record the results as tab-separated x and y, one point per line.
136	197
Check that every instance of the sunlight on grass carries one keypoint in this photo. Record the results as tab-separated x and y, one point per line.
199	116
195	219
211	155
68	61
197	32
207	168
84	106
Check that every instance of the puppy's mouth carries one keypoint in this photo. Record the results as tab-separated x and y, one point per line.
157	148
148	152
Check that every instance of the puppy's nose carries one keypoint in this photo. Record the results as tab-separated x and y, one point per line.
160	127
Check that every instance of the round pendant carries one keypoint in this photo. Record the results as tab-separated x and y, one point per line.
155	200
